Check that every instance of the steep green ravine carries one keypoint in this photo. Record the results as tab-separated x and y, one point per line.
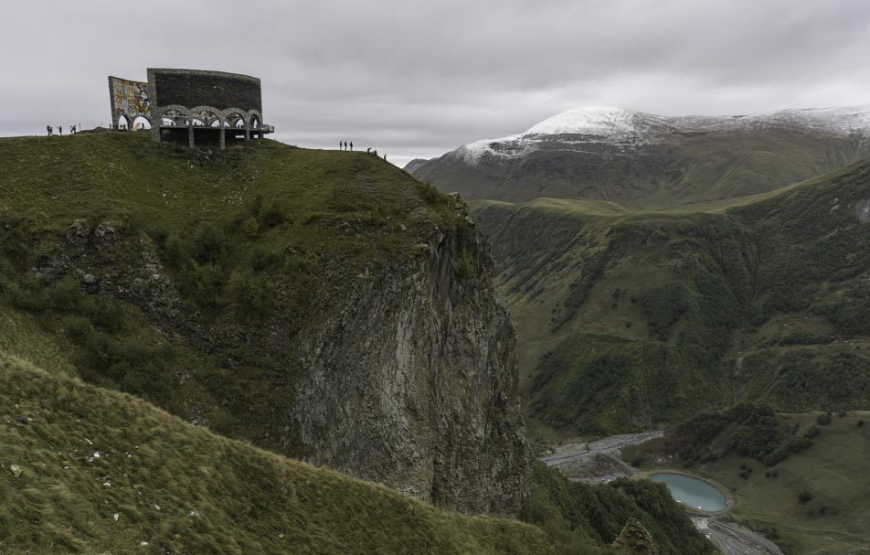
637	319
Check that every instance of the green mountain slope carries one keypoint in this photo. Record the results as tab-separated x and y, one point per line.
630	319
323	305
87	470
246	291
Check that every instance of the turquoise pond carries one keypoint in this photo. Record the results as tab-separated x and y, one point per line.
692	492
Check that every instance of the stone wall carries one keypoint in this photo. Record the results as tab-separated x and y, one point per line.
212	88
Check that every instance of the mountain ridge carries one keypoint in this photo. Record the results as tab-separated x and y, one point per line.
619	126
650	161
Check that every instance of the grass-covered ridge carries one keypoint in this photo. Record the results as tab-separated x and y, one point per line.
184	276
86	470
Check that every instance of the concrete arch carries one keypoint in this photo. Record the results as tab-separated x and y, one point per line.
235	119
176	115
208	115
233	115
140	122
123	121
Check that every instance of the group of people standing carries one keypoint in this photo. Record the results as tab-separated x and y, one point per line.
50	130
344	145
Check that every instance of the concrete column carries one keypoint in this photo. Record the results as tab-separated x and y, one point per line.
190	142
247	132
223	134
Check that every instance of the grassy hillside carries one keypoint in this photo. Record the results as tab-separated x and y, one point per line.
183	276
811	503
685	168
631	319
86	470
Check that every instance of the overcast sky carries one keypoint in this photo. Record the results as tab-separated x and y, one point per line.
418	78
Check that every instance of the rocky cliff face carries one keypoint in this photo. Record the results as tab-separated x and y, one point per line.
413	382
408	378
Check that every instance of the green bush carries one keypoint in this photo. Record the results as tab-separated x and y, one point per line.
251	295
272	216
103	312
663	307
428	193
79	329
209	245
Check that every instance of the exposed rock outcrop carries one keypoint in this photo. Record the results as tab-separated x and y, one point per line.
406	376
414	384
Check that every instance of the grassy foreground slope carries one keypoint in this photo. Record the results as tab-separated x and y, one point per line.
631	319
86	470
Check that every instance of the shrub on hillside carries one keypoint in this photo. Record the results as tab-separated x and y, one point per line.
250	295
663	307
755	432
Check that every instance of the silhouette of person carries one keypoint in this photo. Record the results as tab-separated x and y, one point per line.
351	145
340	145
369	150
60	130
48	130
385	157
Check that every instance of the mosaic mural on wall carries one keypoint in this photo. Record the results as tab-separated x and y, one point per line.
130	97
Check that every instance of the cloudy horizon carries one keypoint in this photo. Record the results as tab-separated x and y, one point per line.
417	79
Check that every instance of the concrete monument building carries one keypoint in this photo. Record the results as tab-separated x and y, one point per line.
195	106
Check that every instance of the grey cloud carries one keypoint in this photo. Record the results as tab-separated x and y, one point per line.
418	78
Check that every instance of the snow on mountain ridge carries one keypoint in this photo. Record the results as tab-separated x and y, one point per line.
602	124
591	120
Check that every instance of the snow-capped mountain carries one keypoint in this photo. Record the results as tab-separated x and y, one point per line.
626	128
636	158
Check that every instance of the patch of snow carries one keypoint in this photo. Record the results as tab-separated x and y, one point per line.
591	120
626	129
